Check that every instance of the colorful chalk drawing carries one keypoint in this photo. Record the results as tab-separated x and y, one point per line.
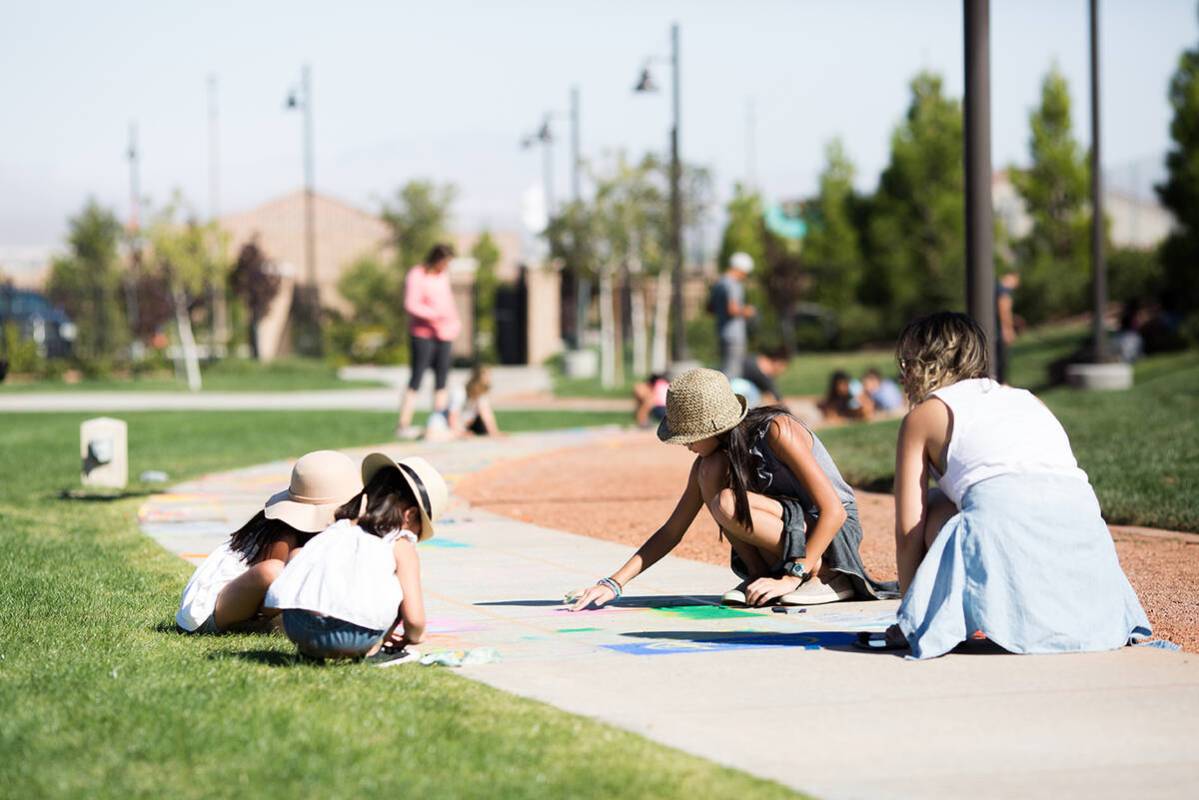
666	644
703	612
578	630
443	543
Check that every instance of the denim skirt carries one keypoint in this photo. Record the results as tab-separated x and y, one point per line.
319	636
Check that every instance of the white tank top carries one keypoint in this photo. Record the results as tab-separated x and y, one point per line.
998	430
346	573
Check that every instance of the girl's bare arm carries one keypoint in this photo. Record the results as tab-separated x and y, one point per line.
663	540
412	609
792	443
925	430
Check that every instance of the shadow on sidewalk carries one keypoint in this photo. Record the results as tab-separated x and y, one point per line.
717	640
640	601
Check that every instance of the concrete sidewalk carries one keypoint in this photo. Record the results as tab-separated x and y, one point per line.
781	696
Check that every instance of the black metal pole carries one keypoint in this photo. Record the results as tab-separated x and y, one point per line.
1098	267
980	265
679	341
547	169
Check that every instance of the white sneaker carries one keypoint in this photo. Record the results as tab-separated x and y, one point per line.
816	592
734	596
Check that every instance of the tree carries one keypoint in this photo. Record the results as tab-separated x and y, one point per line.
1180	191
1054	257
832	252
418	219
917	225
184	253
744	232
487	255
256	284
85	283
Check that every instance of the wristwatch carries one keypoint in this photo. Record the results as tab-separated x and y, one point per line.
795	569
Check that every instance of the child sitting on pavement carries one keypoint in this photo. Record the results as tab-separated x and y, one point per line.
225	593
774	491
340	596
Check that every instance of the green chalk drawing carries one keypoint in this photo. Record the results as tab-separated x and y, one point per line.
576	630
704	612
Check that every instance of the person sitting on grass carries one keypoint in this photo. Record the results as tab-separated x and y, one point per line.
340	596
884	393
758	372
845	400
225	593
1012	547
771	487
468	411
650	395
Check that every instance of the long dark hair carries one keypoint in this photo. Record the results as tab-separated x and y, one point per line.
252	540
737	443
388	495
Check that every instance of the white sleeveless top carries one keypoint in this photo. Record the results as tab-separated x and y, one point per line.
199	596
346	573
998	430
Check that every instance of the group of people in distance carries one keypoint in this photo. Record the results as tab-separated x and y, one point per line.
331	561
849	399
1011	546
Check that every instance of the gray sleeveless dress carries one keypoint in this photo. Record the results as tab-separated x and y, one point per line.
773	478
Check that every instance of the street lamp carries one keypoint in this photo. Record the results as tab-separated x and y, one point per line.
646	85
308	336
544	136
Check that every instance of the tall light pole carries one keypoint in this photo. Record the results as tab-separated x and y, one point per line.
980	265
544	136
1098	267
308	338
646	84
576	163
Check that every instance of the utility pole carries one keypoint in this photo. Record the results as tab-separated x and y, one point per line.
751	145
576	162
307	295
980	264
135	240
679	343
216	292
1098	267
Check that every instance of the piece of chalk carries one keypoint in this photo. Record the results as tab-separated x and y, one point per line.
789	610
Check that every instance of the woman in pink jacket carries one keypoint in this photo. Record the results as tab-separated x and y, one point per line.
432	327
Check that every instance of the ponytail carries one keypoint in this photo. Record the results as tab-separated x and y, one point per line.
737	444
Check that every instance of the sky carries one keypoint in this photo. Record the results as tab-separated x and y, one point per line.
446	90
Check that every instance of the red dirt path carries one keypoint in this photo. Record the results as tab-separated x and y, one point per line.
622	488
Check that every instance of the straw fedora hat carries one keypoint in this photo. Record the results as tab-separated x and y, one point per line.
321	481
700	403
432	496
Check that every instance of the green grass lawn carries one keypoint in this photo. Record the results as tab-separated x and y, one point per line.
230	375
1139	447
101	698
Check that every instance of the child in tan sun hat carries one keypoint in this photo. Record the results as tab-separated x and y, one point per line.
226	591
773	490
340	595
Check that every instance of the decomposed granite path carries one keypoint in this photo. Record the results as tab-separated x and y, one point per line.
783	696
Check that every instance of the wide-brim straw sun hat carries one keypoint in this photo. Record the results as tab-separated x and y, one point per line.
432	495
321	482
700	403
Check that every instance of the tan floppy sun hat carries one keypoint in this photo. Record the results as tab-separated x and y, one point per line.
321	481
432	495
700	403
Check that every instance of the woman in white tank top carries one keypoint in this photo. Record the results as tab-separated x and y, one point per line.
1012	547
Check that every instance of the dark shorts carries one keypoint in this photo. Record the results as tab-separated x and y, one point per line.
842	555
657	413
328	637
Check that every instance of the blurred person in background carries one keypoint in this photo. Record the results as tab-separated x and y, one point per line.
433	325
727	303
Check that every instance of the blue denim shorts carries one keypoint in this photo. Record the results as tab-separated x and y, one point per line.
328	637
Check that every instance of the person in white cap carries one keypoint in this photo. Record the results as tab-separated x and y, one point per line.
727	303
226	591
358	582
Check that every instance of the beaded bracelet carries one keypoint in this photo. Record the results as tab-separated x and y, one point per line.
611	584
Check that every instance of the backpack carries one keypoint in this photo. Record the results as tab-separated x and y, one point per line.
717	298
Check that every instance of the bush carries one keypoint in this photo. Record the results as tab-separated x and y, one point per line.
23	357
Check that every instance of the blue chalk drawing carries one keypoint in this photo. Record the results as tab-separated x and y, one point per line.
663	644
450	543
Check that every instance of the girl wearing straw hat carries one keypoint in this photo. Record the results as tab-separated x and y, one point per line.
340	596
225	593
774	491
